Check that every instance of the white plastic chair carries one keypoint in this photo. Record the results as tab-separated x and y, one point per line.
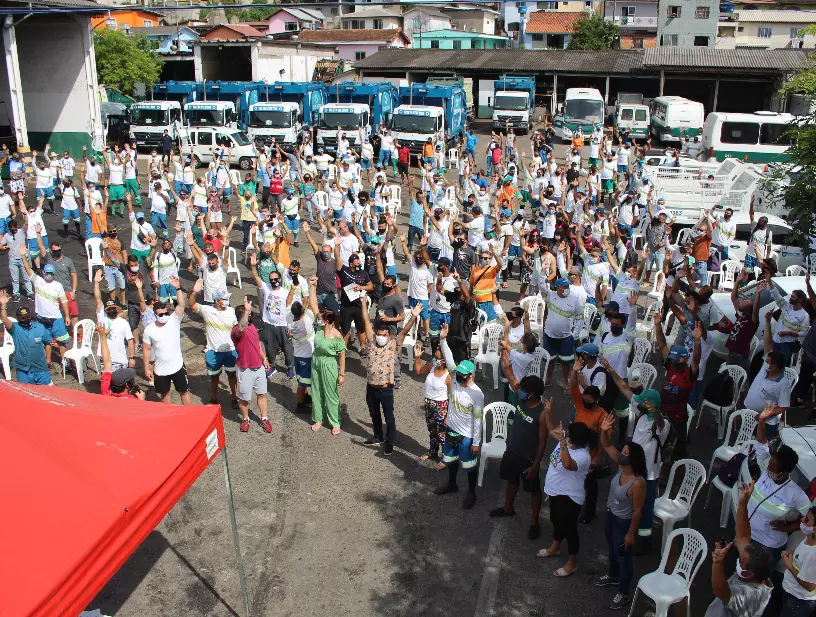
453	157
659	287
756	347
232	265
395	200
793	377
645	328
734	438
689	418
645	371
321	200
672	587
728	492
475	338
406	352
540	355
534	307
489	337
93	249
795	271
450	195
497	444
590	310
81	350
739	377
642	351
727	275
332	172
670	510
235	178
6	351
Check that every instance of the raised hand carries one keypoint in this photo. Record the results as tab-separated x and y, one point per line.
198	286
98	276
4	297
101	329
175	282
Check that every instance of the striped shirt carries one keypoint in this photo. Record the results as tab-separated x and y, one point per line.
218	327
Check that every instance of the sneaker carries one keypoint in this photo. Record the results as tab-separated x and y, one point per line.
500	511
15	298
388	450
468	501
296	244
290	372
245	426
271	371
606	581
373	441
444	490
619	601
397	385
267	425
533	532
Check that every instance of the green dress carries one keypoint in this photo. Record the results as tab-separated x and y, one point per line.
325	392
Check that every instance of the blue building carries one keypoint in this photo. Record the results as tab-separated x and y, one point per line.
175	46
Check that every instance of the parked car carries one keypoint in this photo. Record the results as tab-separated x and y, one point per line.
204	139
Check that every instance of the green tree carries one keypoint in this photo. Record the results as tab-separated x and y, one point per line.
124	60
244	15
593	33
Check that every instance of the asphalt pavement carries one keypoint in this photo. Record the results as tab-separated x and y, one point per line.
328	526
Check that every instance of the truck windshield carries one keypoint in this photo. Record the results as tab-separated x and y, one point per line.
413	124
240	138
270	119
206	117
344	119
510	103
640	115
586	111
148	116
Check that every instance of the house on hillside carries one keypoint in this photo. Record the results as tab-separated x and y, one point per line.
232	32
372	18
769	29
472	18
175	44
550	29
457	39
687	23
291	19
355	44
424	18
127	20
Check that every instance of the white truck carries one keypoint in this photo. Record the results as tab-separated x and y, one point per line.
150	119
513	103
211	113
276	122
352	118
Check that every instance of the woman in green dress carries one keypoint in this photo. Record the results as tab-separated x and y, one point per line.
328	369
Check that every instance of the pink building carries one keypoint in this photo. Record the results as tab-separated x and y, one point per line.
356	44
295	20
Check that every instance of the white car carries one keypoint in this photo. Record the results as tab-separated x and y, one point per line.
205	139
785	254
783	284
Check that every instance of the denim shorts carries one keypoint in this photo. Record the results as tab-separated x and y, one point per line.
114	278
437	321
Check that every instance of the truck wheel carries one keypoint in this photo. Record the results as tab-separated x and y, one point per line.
196	161
245	163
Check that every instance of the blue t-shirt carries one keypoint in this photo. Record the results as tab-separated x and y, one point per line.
263	174
471	142
417	217
482	182
29	350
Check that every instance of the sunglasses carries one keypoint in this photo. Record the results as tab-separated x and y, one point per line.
161	314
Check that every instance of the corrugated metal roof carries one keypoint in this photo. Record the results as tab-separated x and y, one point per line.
739	59
510	60
778	17
349	35
552	22
374	11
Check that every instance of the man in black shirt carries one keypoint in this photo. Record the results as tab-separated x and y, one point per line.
353	280
464	257
462	312
167	146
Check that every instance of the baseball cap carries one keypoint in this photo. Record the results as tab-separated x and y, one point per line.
220	294
111	303
140	215
122	376
465	367
561	283
612	306
648	396
49	269
319	150
581	191
290	191
661	200
677	352
590	349
23	313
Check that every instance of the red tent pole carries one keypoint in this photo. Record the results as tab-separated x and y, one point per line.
235	540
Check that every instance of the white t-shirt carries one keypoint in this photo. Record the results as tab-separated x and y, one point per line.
560	481
48	298
766	390
367	151
119	333
218	327
593	272
274	310
145	228
92	173
642	435
116	173
45	177
724	232
561	313
303	333
5	205
166	267
804	561
33	219
598	380
69	199
418	283
350	244
476	231
166	345
438	302
791	320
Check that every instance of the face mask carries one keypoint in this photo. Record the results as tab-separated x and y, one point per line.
56	254
274	284
594	260
325	256
437	363
616	330
134	269
679	366
522	395
451	296
483	261
462	379
588	403
458	243
48	277
166	250
213	267
162	318
357	266
805	529
381	340
419	262
386	289
25	323
741	572
623	460
112	314
778	477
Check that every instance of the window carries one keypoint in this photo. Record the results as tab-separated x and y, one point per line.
333	11
518	4
126	29
775	134
378	24
668	40
457	44
434	44
702	12
587	4
538	38
290	26
637	43
354	24
204	138
672	12
701	41
795	33
110	23
359	55
477	44
223	140
547	6
627	11
147	23
764	32
739	133
740	28
640	115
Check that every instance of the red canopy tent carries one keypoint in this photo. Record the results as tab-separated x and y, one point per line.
85	479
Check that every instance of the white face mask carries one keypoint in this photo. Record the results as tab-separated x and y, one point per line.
740	570
381	340
162	319
805	529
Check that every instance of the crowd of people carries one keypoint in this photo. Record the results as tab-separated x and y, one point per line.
570	228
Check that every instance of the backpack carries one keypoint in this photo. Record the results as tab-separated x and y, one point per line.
671	436
611	393
720	390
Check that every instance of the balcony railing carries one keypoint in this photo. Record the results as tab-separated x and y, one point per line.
636	22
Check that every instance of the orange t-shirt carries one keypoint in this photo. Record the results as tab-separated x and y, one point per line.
99	223
283	252
427	151
592	419
482	280
700	250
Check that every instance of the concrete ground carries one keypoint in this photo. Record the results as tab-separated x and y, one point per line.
328	526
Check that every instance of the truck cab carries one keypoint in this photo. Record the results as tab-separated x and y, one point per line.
631	119
206	140
412	125
430	111
276	122
149	120
211	113
350	117
513	103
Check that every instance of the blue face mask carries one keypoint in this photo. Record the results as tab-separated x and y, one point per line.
522	395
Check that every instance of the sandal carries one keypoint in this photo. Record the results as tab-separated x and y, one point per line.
545	552
335	430
562	573
315	427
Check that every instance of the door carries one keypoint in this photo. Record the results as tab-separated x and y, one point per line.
203	145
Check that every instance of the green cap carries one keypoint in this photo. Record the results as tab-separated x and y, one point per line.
465	367
648	396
